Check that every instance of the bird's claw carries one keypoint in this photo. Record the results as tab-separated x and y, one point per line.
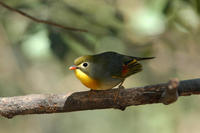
118	92
91	92
116	96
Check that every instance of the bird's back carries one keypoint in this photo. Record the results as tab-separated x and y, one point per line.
119	65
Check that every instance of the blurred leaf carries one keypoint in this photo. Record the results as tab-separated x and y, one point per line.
147	22
37	46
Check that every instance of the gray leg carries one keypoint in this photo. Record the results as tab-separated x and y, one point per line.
120	87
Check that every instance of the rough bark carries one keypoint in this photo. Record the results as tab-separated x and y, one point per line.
88	100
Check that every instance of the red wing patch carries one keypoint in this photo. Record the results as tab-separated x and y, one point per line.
129	67
125	70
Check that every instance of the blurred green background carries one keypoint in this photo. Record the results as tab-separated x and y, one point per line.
34	59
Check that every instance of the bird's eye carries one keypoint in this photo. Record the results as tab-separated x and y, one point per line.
85	64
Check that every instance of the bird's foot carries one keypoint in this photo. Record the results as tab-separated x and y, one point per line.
170	94
116	96
91	92
118	92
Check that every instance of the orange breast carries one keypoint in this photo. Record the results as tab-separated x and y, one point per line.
86	80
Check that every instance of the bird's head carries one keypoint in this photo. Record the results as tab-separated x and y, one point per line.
83	63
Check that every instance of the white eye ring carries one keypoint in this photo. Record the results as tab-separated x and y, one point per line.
85	64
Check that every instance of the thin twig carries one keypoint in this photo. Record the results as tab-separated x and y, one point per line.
41	21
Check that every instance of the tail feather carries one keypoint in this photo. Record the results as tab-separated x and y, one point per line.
143	58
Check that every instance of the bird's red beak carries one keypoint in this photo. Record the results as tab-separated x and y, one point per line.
72	67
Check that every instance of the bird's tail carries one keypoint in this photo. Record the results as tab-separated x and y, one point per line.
144	58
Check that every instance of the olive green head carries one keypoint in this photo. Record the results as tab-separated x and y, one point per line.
82	59
85	64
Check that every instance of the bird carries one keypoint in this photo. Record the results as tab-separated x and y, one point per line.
106	70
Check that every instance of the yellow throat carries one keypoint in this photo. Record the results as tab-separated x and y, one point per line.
86	80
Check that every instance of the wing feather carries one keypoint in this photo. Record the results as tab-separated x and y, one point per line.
130	67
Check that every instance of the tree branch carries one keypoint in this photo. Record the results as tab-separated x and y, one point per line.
39	20
87	100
